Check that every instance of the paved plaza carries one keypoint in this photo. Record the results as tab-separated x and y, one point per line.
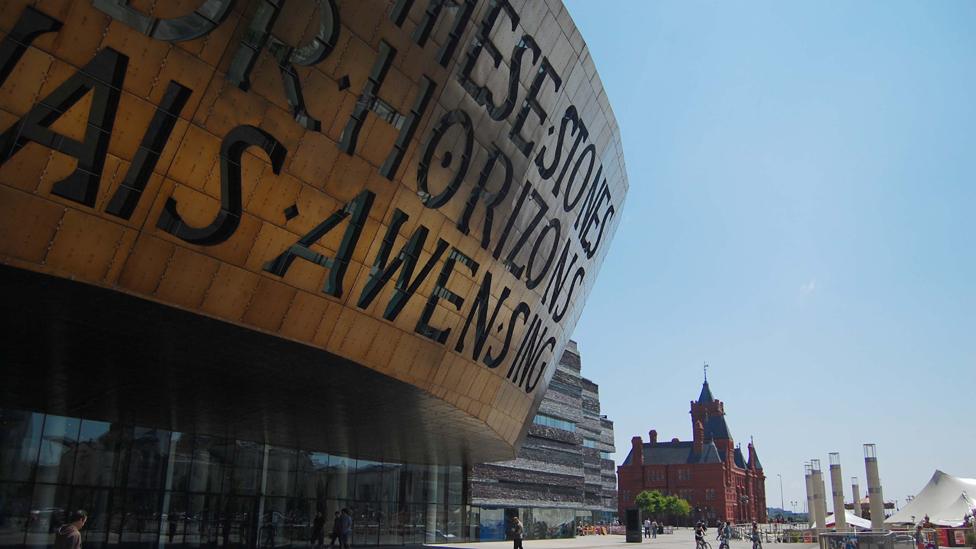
682	538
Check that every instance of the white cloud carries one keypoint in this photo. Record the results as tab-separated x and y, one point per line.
809	287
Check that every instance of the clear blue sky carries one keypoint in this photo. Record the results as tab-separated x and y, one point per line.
801	215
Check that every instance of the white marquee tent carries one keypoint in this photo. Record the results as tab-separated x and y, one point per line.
853	521
944	500
952	515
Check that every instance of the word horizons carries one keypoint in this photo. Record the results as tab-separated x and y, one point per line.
536	250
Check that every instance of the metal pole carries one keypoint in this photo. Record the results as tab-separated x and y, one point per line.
781	504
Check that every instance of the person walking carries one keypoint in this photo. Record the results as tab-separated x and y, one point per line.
654	527
69	534
318	531
517	532
336	527
647	528
345	528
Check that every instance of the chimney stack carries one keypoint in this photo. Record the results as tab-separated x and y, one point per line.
699	436
856	488
653	435
637	452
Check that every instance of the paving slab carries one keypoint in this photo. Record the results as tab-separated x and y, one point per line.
682	538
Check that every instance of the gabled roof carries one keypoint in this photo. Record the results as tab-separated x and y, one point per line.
677	453
706	394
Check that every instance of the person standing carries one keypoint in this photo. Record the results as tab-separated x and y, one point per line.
345	528
919	537
69	535
654	527
517	532
318	531
647	528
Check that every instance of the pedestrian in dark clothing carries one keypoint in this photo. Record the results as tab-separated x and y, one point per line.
517	532
345	528
69	535
318	531
336	527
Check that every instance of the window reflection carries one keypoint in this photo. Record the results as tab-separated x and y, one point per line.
20	440
155	489
55	461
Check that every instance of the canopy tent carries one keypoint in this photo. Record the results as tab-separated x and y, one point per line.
953	514
854	522
942	497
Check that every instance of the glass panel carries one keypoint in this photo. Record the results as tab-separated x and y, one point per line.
320	525
20	440
15	512
298	522
212	458
493	525
390	521
273	524
95	502
56	459
148	454
96	453
140	517
550	421
200	526
365	523
236	523
455	484
416	524
172	526
549	523
433	489
47	513
413	479
181	448
369	476
282	471
342	482
248	461
313	478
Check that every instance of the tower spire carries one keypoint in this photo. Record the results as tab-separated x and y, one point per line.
706	372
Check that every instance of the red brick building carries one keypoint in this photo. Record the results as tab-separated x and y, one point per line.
710	471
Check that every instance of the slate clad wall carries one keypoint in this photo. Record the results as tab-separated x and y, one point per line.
553	468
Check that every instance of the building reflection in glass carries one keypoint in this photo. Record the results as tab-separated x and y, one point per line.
148	487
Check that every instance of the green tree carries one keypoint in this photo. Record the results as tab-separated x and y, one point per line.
651	503
677	507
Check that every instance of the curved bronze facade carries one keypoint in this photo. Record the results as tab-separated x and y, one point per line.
385	215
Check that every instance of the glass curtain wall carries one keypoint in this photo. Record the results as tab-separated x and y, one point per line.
145	487
495	523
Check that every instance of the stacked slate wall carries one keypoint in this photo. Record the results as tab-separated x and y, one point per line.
557	467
